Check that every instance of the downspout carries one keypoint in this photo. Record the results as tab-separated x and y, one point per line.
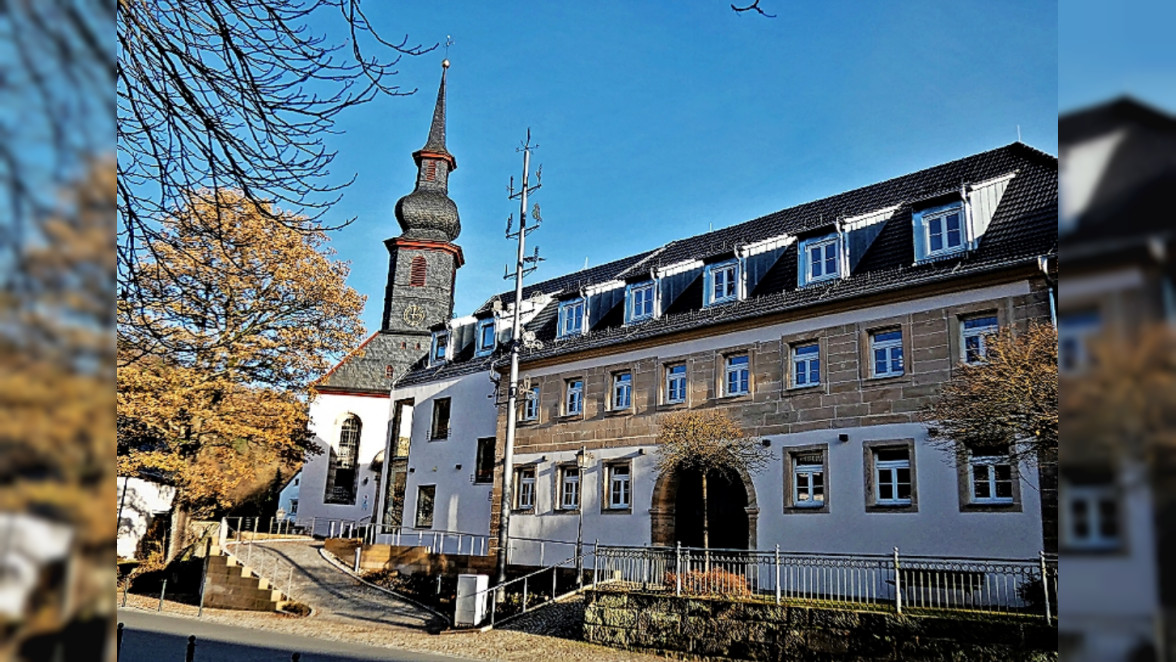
1052	283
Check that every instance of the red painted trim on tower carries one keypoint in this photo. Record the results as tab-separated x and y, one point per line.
422	154
426	245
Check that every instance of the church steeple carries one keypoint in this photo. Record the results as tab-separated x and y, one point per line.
427	213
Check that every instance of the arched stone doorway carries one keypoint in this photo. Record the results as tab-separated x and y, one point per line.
676	513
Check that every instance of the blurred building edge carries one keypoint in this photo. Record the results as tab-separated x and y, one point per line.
1117	160
140	502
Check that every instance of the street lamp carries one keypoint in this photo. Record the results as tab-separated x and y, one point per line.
582	463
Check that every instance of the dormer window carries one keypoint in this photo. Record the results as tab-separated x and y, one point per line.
640	302
571	318
820	259
722	283
486	337
941	231
440	347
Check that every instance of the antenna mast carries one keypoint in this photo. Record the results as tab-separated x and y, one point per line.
524	264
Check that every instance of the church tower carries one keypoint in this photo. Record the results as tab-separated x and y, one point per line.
423	260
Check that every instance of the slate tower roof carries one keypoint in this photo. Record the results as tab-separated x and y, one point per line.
427	213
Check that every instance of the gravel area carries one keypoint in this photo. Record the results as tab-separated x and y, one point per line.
548	634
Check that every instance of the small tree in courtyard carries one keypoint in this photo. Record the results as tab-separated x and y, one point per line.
707	441
1007	403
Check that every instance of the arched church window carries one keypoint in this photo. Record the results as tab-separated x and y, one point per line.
417	271
342	472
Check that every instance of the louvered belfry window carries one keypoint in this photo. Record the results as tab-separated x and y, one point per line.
416	272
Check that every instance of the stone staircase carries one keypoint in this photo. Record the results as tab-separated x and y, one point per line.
232	585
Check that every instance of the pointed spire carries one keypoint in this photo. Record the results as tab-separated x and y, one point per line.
435	145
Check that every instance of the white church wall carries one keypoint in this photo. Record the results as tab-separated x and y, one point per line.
327	414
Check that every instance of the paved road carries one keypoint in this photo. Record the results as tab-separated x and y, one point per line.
149	637
332	592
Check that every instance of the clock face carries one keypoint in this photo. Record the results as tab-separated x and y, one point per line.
414	315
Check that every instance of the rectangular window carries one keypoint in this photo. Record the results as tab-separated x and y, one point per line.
974	334
722	283
945	231
440	428
886	353
892	477
524	488
822	259
622	391
569	488
806	365
641	302
440	346
426	495
293	507
531	404
737	375
571	318
486	337
1074	333
808	479
484	462
619	493
992	479
1090	517
676	383
574	397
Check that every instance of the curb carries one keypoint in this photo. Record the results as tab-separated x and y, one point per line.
330	558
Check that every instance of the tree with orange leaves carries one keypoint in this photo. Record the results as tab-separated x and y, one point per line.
232	317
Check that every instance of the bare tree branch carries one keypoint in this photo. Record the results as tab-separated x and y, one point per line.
754	6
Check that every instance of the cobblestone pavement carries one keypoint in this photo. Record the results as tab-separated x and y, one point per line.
333	593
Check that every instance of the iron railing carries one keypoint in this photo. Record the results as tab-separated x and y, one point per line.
893	581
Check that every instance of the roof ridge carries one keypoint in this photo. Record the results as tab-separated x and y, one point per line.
343	360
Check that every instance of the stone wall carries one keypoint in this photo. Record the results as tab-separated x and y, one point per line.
708	629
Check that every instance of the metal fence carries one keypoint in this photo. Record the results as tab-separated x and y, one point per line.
901	582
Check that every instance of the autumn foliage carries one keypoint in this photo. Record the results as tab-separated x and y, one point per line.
1009	402
232	316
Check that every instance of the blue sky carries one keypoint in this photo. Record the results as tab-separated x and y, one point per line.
1110	49
659	121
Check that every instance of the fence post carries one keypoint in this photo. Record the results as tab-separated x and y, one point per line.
524	594
777	574
296	657
1045	587
162	591
256	521
595	562
204	576
897	584
358	554
191	654
542	545
118	641
678	568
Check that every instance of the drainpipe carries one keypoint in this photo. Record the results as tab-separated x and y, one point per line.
1052	283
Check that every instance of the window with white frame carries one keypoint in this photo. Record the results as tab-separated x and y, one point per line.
440	346
531	404
676	383
622	391
806	365
619	477
571	318
943	231
569	487
974	334
524	488
722	283
486	337
820	259
1075	331
574	397
737	375
808	479
439	427
641	302
1090	517
886	353
992	479
892	476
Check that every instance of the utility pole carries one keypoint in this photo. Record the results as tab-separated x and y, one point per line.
524	265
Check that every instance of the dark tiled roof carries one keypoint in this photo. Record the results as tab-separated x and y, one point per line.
363	369
1023	228
573	281
1086	123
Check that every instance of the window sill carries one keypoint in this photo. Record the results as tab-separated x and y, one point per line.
529	422
671	406
788	510
995	507
617	511
445	438
892	508
522	511
882	379
565	511
721	302
571	417
805	387
738	397
619	412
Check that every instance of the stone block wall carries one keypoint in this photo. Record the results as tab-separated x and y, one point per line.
230	585
709	629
